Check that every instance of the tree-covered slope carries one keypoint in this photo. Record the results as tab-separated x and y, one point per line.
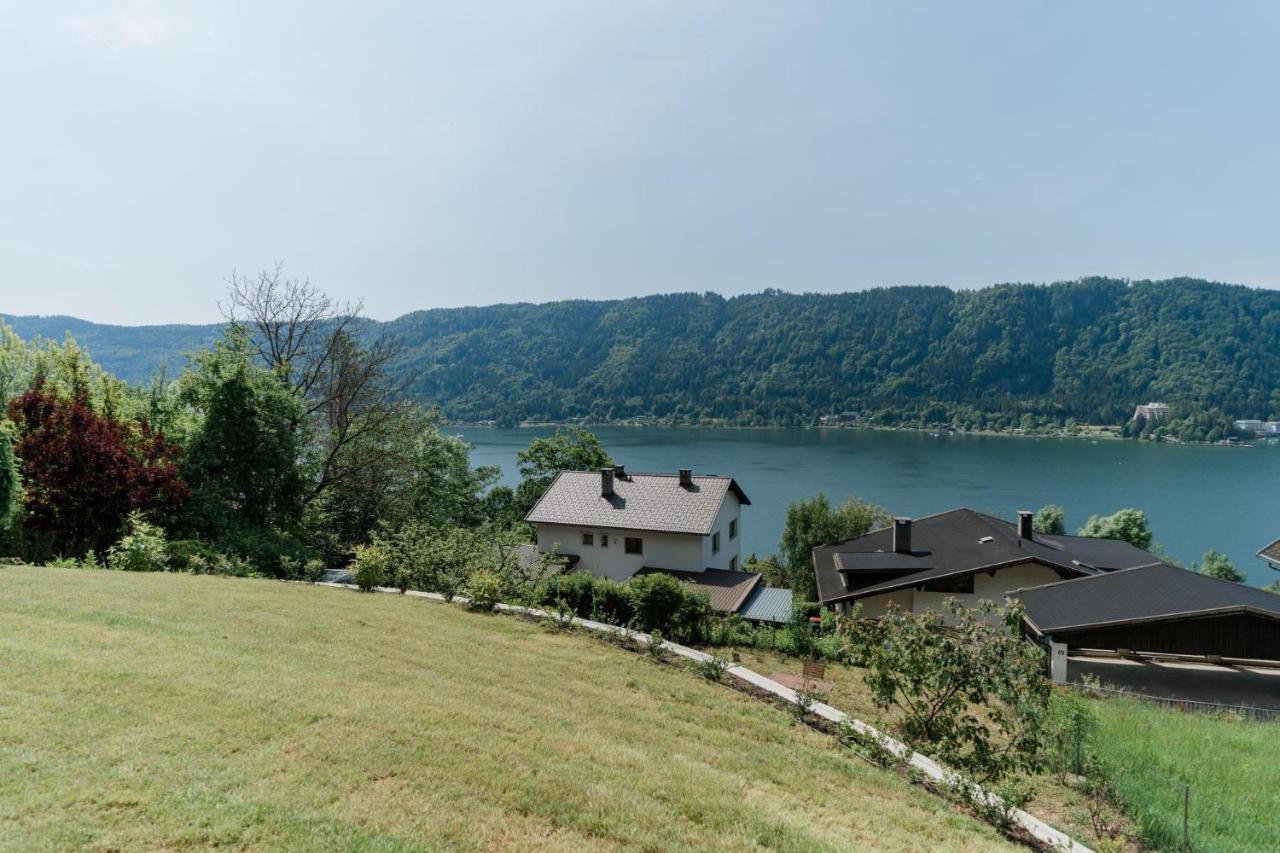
1087	349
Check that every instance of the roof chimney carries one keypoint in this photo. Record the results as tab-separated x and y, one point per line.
620	471
606	482
1026	525
686	477
902	535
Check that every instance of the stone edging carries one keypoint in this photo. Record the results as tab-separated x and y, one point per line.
1032	825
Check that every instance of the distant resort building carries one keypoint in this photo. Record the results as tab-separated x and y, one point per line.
842	419
618	525
1259	428
1151	411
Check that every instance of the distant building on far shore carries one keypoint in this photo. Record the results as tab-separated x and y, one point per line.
1258	427
842	419
1152	412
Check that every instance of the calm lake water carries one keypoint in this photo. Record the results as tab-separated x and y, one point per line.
1197	497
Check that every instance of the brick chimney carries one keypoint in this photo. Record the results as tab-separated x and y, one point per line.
606	482
902	535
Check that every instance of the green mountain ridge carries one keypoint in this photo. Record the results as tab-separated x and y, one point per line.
1088	349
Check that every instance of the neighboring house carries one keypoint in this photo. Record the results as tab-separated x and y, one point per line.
1080	592
616	525
1271	555
918	564
1157	609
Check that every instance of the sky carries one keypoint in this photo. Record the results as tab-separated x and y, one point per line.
418	155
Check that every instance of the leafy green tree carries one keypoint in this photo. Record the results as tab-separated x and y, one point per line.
242	462
10	476
772	572
570	449
1128	524
1273	587
813	522
1051	519
974	696
1218	566
143	547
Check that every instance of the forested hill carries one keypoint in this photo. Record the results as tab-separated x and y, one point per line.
1087	349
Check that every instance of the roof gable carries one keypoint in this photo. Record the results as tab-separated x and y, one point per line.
654	503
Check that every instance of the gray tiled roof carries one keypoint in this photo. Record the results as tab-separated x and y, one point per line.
1143	594
655	503
958	542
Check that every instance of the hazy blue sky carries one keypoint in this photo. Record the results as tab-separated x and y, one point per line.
422	155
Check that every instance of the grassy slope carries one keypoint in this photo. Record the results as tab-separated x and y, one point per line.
171	710
1233	768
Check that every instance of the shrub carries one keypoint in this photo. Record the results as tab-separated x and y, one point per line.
141	549
712	668
369	569
485	588
972	694
662	603
611	603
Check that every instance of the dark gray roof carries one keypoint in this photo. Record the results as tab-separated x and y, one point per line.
1143	594
727	590
768	604
1271	553
958	542
651	502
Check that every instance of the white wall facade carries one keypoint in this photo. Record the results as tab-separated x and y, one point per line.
685	552
680	552
985	587
729	555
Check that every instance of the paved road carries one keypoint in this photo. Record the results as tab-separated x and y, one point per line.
1257	687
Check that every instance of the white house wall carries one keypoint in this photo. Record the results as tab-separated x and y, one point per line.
661	550
730	549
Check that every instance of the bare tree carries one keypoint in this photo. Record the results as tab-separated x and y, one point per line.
314	343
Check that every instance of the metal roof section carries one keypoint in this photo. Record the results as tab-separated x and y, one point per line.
768	604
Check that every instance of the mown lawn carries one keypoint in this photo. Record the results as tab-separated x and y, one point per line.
149	711
1232	766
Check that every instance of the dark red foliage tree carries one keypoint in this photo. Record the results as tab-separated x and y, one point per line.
82	473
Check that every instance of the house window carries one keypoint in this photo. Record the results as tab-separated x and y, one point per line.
604	540
588	539
733	528
633	545
715	542
733	564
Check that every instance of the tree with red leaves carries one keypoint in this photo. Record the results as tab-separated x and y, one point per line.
83	473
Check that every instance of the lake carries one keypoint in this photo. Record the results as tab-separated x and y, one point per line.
1197	497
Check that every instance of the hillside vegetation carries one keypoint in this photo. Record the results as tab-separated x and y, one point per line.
146	711
1087	350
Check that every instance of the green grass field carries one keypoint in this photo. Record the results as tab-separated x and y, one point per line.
1232	766
172	711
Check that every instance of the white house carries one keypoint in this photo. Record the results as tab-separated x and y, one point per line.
617	523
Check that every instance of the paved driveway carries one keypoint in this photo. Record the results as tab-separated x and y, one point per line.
1257	687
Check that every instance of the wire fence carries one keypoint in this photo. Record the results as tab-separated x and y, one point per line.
1194	705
